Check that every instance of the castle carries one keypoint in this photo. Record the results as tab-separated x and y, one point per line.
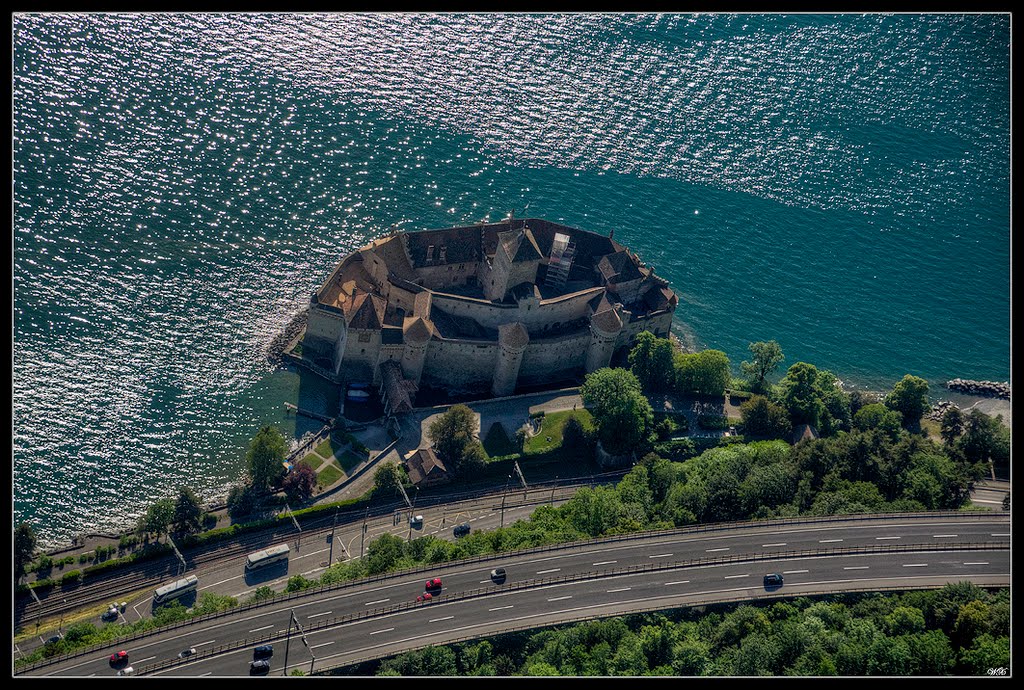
488	307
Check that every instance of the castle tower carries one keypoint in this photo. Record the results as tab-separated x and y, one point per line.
416	335
512	342
515	261
604	330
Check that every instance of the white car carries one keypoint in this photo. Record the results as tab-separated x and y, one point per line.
416	521
126	671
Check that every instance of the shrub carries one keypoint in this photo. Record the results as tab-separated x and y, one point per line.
84	557
713	422
71	576
45	563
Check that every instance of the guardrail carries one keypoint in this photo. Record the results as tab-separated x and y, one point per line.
632	536
581	576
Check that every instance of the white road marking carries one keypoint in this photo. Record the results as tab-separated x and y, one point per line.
781	543
314	615
793	572
310	572
376	632
724	548
552	570
197	645
208	673
856	567
568	596
938	536
501	608
265	627
677	582
148	658
1000	534
484	582
605	562
239	577
317	646
435	620
976	563
620	589
730	577
914	565
828	541
660	555
379	601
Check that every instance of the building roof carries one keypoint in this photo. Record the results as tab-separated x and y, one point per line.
607	321
396	387
461	245
425	465
618	268
513	335
366	311
803	431
519	245
417	331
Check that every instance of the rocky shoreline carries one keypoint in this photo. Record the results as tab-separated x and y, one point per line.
281	341
987	389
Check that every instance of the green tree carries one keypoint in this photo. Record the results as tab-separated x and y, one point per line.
767	356
971	621
985	438
24	547
575	438
878	416
265	458
623	415
952	425
909	397
651	360
299	483
451	433
904	620
187	511
383	553
705	372
761	417
473	459
800	394
242	500
987	652
388	477
158	517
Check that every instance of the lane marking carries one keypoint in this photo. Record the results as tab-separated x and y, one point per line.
976	563
200	644
501	608
148	658
724	548
379	601
317	646
377	632
660	555
793	572
604	562
1000	534
730	577
265	627
568	596
484	582
552	570
620	589
914	565
828	541
677	582
884	538
436	620
939	536
856	567
201	675
314	615
781	543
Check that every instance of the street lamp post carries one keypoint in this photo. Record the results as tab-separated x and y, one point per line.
553	490
503	494
362	540
330	554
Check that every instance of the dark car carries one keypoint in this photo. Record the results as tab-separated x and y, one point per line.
461	530
185	653
773	580
498	575
259	668
120	657
264	651
433	584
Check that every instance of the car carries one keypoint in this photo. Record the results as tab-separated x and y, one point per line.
264	651
110	614
127	671
426	596
498	575
259	668
120	657
187	652
433	584
416	521
461	530
55	639
773	580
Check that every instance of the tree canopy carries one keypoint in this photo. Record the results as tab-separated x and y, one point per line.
621	411
909	397
300	483
158	517
187	511
451	434
24	547
767	356
265	458
706	372
651	360
761	417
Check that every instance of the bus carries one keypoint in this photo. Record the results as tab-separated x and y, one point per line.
174	590
273	554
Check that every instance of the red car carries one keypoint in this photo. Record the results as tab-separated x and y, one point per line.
119	658
426	596
434	584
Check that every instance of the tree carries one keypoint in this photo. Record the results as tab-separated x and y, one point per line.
388	477
761	417
985	438
158	518
242	500
24	547
651	360
451	433
383	553
300	483
909	397
952	425
705	372
623	415
767	357
575	438
187	511
800	394
473	458
878	416
971	621
1006	501
265	458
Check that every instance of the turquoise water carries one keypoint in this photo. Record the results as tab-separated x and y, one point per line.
183	182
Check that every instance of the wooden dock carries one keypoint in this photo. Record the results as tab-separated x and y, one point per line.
312	415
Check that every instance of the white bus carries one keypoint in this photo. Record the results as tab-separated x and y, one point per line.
267	556
175	589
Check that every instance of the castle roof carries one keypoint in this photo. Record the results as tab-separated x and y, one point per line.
618	268
461	245
366	311
513	335
519	245
607	321
416	330
396	387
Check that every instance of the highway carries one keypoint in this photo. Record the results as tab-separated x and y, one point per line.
604	577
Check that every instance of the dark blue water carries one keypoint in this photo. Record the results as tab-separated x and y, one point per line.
182	182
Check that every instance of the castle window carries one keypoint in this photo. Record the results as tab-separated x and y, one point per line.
364	338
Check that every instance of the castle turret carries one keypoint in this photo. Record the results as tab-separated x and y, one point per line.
604	330
416	335
512	342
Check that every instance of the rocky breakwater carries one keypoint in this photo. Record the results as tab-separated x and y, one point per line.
939	409
283	339
988	389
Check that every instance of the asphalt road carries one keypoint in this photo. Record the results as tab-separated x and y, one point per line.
599	587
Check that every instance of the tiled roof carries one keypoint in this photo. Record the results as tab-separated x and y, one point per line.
424	464
513	335
366	312
461	245
416	330
396	387
607	321
519	245
618	268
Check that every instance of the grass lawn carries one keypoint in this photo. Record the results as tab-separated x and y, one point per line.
497	443
328	475
552	427
932	429
313	460
330	446
348	460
